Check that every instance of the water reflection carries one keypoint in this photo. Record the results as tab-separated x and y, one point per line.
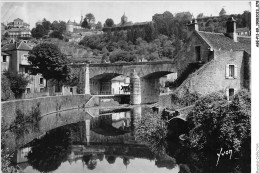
102	141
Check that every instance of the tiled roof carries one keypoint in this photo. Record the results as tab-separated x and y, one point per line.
16	46
220	41
10	23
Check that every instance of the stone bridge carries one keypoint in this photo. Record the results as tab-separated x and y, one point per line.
144	77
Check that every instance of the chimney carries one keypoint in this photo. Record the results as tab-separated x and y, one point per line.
193	25
231	29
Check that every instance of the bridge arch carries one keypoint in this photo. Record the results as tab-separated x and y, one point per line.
147	73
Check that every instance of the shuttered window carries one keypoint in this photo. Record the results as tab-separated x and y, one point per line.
231	71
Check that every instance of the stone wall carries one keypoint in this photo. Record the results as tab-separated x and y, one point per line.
46	105
211	77
165	100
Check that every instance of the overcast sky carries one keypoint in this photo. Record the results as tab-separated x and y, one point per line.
136	11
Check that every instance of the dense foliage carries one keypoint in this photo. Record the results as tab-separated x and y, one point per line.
42	30
109	23
46	59
6	92
218	24
18	83
152	130
218	123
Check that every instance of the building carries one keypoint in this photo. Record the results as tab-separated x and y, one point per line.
18	29
72	26
243	31
19	33
18	23
225	59
14	59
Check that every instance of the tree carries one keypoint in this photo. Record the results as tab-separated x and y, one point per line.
56	34
201	15
99	25
18	83
90	18
85	24
46	25
109	22
246	19
46	59
218	123
38	32
6	92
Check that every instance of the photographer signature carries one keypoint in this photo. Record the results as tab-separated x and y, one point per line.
227	152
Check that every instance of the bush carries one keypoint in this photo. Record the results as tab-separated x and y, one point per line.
6	92
218	123
152	130
18	83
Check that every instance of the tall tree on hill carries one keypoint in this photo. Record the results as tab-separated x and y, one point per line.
85	24
46	59
38	32
201	15
46	25
109	22
90	18
246	19
99	25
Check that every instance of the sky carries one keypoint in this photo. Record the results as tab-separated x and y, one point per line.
136	11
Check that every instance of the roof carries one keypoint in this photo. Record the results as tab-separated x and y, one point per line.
16	46
4	54
242	29
25	24
18	29
10	23
18	19
220	41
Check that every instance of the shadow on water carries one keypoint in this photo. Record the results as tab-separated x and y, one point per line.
95	137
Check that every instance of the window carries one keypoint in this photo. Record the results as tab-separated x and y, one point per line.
231	71
26	69
28	90
230	92
197	52
41	89
4	58
71	89
41	81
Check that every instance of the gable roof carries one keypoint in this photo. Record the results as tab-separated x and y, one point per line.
16	46
18	19
220	41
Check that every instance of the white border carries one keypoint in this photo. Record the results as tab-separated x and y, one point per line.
255	91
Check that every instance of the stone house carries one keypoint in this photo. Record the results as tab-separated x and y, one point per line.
225	60
14	59
18	29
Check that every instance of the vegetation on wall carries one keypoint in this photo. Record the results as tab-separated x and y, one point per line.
17	82
6	92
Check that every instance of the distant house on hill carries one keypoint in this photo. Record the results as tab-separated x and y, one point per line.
224	60
18	29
